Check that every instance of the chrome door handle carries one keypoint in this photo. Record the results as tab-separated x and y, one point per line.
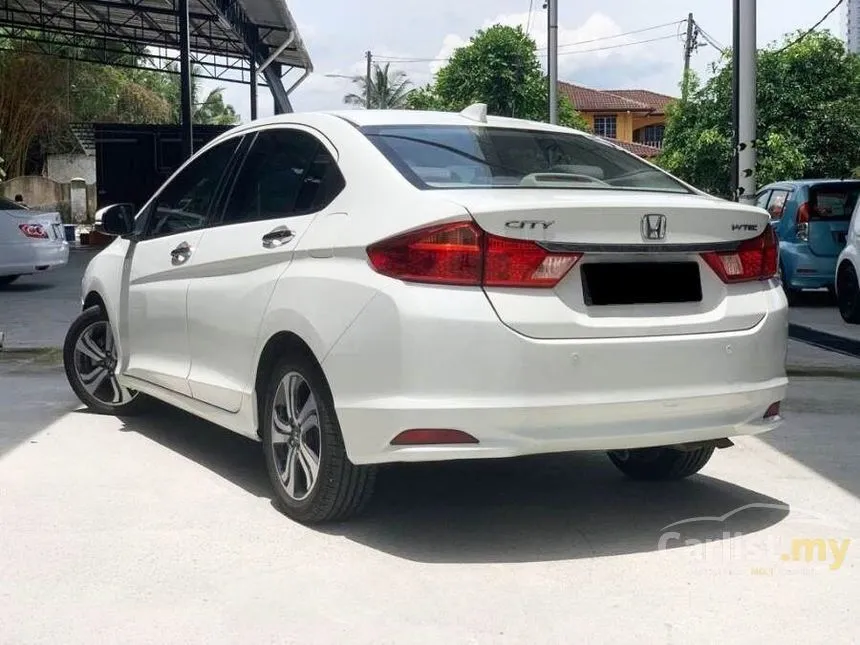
277	237
181	253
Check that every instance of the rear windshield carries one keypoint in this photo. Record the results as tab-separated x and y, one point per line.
461	156
9	205
833	201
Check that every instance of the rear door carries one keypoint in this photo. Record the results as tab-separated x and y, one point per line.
830	208
288	178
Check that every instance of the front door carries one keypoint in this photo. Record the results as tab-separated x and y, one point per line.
161	261
288	177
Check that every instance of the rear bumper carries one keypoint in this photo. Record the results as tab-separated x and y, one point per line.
803	270
33	257
441	359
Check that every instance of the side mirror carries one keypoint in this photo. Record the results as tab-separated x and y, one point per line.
116	219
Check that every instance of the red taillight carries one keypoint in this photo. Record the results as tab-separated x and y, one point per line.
462	254
35	231
801	221
425	437
755	259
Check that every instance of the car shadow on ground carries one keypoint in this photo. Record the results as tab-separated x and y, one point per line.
544	508
26	287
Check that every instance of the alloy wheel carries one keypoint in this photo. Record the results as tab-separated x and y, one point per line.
95	364
296	436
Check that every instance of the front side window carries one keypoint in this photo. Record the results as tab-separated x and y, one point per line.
463	156
286	173
606	126
185	203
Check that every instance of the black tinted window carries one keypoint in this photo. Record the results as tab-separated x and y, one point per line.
185	203
287	172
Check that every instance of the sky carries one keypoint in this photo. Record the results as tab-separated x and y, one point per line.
593	48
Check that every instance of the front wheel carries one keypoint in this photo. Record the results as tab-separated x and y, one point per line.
90	360
848	294
310	472
660	464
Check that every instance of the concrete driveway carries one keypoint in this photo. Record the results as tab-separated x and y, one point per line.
161	530
36	310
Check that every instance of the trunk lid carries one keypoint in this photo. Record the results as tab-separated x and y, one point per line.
51	223
631	233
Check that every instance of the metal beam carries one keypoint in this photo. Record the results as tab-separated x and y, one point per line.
253	65
185	80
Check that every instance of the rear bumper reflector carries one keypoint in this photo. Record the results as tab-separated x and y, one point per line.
772	411
424	437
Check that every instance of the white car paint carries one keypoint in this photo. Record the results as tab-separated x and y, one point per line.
23	255
851	252
524	370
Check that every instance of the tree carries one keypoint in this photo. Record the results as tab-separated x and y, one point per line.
808	119
498	67
388	89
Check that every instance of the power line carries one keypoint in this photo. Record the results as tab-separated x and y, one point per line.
711	40
529	19
635	42
626	33
810	30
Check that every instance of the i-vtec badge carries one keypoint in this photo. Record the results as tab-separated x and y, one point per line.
744	227
529	224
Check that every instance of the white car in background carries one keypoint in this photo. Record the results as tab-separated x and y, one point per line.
363	287
30	241
848	270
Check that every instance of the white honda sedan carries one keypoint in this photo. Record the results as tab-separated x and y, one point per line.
363	287
30	241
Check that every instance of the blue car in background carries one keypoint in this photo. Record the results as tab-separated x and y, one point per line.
810	218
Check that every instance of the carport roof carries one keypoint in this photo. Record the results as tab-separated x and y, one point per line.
220	30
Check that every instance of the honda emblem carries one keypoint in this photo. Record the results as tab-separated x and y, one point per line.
654	227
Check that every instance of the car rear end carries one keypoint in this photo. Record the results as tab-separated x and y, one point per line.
31	241
816	232
535	320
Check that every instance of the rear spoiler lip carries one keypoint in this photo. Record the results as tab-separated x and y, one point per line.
576	247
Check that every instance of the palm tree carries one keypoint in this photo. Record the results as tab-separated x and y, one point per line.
388	89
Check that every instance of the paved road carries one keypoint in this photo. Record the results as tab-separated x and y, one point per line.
817	311
36	310
160	530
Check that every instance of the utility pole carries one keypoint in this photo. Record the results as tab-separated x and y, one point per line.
552	58
744	99
369	57
185	81
689	45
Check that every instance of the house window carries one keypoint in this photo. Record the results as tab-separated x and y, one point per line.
650	135
605	126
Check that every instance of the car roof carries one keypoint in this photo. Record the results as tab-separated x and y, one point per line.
362	118
809	182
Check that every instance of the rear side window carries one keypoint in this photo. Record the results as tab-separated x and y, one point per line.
286	173
833	201
776	204
9	205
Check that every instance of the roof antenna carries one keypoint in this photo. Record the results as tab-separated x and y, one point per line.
476	112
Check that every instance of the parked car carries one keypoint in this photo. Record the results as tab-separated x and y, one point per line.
30	241
847	270
378	286
810	218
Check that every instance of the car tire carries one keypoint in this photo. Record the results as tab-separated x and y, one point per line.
8	279
306	459
792	295
660	464
848	294
90	361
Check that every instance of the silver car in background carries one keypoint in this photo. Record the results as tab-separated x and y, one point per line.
30	241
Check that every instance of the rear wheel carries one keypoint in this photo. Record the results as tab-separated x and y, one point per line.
848	293
660	464
90	360
8	279
305	455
